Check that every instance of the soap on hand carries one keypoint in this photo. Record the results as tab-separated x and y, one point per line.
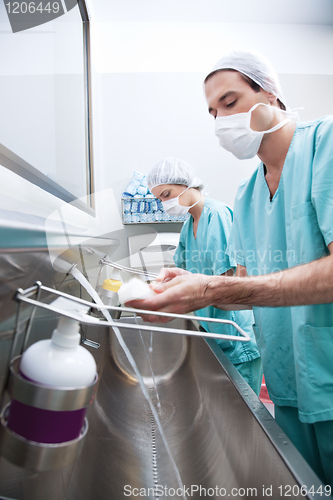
134	289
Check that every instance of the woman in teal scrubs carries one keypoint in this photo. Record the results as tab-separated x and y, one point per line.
202	249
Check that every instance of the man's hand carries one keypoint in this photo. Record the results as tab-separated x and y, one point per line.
186	292
168	273
182	292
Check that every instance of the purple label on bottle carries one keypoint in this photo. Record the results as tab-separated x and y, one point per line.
45	426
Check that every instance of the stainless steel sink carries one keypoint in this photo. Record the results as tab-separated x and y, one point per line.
222	439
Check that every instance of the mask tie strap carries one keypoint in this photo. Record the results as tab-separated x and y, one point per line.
196	202
278	126
182	192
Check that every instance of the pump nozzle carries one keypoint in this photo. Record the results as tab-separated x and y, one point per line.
67	333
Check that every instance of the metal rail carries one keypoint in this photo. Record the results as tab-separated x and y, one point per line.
24	296
108	262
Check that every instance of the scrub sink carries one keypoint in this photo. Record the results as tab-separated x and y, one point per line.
223	440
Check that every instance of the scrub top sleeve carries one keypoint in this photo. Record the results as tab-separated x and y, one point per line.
322	179
217	241
179	257
235	249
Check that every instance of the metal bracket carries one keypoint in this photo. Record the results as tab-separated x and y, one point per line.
24	296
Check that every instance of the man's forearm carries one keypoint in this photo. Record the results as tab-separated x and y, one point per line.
307	284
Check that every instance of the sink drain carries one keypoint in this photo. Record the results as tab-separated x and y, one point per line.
154	451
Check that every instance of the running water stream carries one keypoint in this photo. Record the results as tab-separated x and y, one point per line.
94	295
150	367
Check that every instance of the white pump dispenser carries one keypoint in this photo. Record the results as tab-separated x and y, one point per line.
60	361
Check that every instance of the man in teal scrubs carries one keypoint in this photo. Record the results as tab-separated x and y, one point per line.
282	240
202	249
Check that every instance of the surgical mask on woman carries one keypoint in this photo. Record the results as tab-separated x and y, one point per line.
235	134
173	207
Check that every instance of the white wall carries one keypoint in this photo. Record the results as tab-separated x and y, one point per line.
148	86
149	60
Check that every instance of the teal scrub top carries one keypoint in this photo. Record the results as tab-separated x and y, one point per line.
295	227
206	254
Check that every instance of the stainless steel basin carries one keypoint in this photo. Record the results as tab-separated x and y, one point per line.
222	439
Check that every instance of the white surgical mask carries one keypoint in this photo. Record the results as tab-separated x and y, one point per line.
235	134
173	207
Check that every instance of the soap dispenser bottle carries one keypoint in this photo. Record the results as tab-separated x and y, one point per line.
58	363
108	292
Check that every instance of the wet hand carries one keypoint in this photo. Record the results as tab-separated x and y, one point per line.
182	294
168	273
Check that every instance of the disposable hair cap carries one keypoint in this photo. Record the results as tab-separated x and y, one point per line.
173	171
253	65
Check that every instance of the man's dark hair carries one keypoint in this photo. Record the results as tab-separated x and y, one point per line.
249	80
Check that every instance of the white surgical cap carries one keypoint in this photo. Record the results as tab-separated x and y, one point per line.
255	66
173	171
